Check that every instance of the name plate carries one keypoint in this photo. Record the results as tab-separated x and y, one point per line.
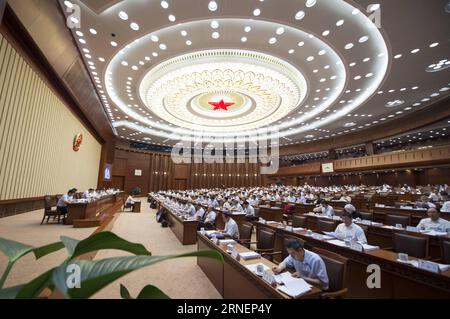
428	265
365	222
356	246
289	228
317	236
235	254
269	278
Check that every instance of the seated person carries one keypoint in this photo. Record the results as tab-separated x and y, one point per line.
345	198
325	209
349	208
231	227
226	204
200	213
434	222
434	196
61	206
350	231
209	220
129	203
249	210
445	207
236	206
307	265
189	209
291	198
424	203
89	193
253	201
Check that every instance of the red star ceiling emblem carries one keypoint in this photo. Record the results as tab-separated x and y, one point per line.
221	105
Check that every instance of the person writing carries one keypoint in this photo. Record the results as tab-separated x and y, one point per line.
349	230
307	265
231	227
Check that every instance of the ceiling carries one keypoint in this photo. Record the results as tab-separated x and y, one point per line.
235	70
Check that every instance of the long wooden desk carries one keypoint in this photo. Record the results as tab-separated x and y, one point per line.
93	214
233	280
398	280
381	235
379	214
271	213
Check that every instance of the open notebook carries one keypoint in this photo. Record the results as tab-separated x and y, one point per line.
293	287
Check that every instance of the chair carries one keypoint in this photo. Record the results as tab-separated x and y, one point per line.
246	231
298	221
365	228
49	212
445	251
129	206
337	270
366	216
413	245
326	226
266	243
398	219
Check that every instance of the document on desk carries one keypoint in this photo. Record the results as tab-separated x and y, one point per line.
435	233
252	267
368	247
227	242
294	287
249	255
329	235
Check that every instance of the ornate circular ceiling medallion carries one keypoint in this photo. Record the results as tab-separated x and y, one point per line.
216	90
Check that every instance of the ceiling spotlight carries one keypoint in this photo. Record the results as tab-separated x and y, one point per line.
214	24
162	46
398	56
212	6
300	44
339	23
101	59
93	31
123	15
164	4
310	3
248	29
394	103
415	51
215	35
68	4
374	7
299	15
348	46
113	43
79	33
349	124
435	44
243	39
134	26
309	136
184	33
154	38
256	12
188	42
280	31
438	66
363	39
272	40
172	18
326	33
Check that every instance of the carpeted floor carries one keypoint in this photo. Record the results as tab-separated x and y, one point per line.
180	278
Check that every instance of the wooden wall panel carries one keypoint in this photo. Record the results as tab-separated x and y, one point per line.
36	135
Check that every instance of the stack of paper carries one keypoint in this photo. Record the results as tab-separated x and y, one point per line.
227	242
250	255
337	242
271	222
295	287
297	229
436	233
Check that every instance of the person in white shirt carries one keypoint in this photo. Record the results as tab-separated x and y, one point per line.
249	210
227	204
301	199
190	209
89	193
434	222
291	198
434	197
236	206
350	231
200	213
231	227
324	209
345	198
61	205
307	265
445	207
130	202
253	201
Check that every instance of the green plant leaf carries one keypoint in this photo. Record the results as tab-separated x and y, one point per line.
71	245
13	249
32	289
47	249
124	293
108	240
95	275
10	293
152	292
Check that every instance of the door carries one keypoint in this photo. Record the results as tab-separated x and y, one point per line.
118	182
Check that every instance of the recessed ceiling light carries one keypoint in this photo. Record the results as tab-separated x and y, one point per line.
339	23
154	38
291	51
272	40
322	52
188	42
184	33
247	29
155	54
212	6
162	46
101	59
326	33
300	44
310	3
394	103
215	35
398	56
243	39
164	4
113	43
86	50
124	63
256	12
435	44
79	33
88	56
414	88
352	64
93	31
348	46
355	11
374	7
349	124
68	4
134	26
82	41
415	51
280	31
310	58
363	39
74	20
214	24
172	18
299	15
123	15
358	77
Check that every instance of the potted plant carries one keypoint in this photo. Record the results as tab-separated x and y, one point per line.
135	191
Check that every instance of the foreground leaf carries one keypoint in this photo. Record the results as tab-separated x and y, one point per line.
95	275
47	249
32	289
13	249
152	292
124	293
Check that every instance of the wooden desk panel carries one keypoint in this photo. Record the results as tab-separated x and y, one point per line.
270	213
212	268
185	231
